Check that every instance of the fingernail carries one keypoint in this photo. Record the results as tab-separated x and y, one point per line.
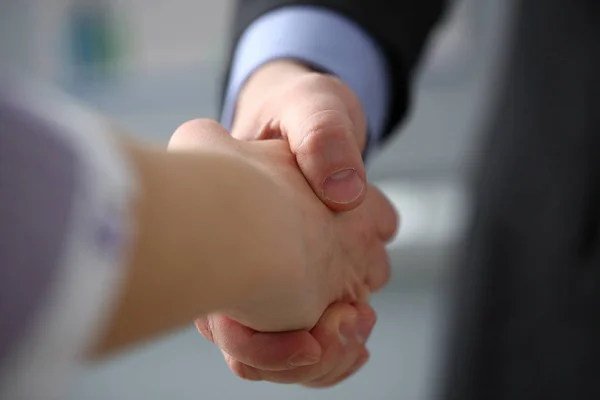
302	360
347	330
364	329
343	186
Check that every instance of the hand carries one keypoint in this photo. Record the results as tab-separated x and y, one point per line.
321	118
324	124
324	356
326	256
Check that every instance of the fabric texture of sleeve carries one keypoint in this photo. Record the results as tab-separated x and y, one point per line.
64	199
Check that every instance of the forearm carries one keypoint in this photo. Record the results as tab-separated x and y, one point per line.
105	244
199	243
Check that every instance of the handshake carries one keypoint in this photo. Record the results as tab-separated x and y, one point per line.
312	131
288	236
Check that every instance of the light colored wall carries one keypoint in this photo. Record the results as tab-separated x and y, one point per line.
161	36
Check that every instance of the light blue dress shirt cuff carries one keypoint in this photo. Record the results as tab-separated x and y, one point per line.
323	39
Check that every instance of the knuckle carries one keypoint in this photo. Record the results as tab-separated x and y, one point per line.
379	282
393	225
197	127
387	274
324	104
242	371
379	274
321	80
367	313
325	82
203	124
194	133
365	232
334	86
324	129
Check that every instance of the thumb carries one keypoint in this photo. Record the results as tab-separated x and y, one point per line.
268	351
325	142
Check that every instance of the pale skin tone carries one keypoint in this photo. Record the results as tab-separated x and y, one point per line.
178	267
220	229
317	114
323	123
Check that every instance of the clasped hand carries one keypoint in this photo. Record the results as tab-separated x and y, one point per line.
312	326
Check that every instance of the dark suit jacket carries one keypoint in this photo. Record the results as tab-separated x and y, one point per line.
401	28
527	321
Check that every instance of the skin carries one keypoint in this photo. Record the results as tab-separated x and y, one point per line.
322	121
219	229
178	268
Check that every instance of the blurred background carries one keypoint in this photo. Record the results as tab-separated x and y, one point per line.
152	64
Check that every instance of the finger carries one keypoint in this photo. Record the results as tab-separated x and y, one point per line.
327	141
367	317
379	267
238	368
339	332
383	212
203	328
197	133
348	360
361	360
356	349
336	332
266	351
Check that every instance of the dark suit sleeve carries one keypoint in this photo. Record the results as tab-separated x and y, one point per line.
400	27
